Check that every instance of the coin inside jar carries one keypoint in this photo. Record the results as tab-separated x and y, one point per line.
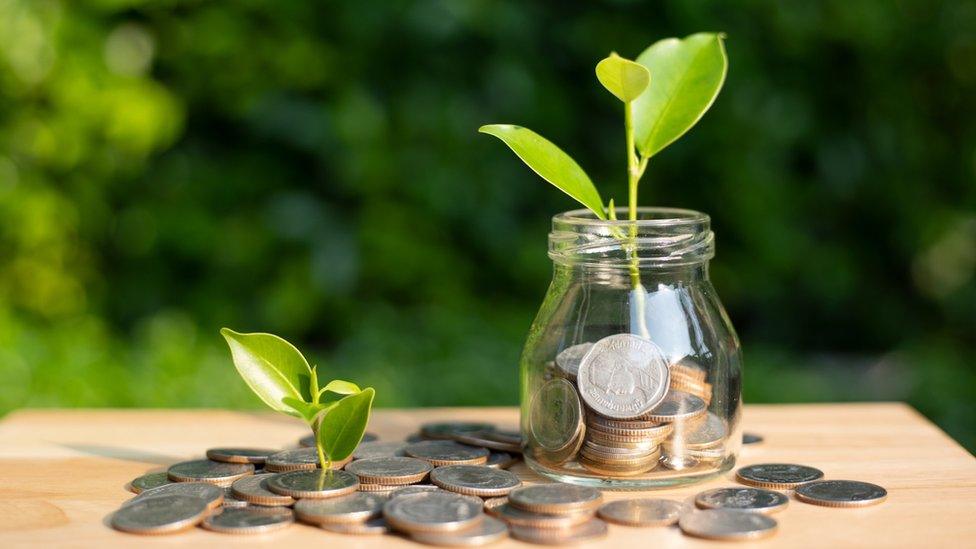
555	498
641	512
568	360
743	499
149	481
314	484
623	376
841	493
249	520
488	530
254	490
447	452
390	470
432	512
556	422
205	470
727	525
676	406
211	494
475	480
777	475
160	515
357	507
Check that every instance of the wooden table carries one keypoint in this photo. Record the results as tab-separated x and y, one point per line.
62	472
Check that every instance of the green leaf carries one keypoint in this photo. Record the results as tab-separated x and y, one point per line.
623	77
688	75
341	387
343	426
273	368
550	162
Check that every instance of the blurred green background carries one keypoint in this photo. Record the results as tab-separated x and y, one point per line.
312	169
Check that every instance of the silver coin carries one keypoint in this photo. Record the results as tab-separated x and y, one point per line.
383	489
292	460
309	441
515	516
433	512
743	499
164	514
254	490
504	435
727	524
751	438
390	470
841	493
699	434
500	460
368	450
372	527
623	376
484	440
556	422
555	498
205	470
641	512
356	507
447	452
475	480
149	481
414	489
211	495
589	530
230	500
448	429
314	484
568	360
488	530
239	455
249	520
677	406
777	475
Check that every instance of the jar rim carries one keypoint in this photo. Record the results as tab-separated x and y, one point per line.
653	216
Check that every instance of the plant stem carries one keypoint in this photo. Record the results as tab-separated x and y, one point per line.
324	462
635	169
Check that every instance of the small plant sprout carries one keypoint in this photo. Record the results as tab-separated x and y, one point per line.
280	376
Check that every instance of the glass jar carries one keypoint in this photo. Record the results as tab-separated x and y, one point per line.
631	373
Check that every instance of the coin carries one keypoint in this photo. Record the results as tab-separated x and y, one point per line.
448	430
160	515
309	441
568	360
254	489
555	498
689	368
777	475
503	435
727	524
414	489
556	422
515	516
356	507
432	512
627	430
841	493
611	469
488	530
641	512
239	455
500	460
479	438
249	520
475	480
379	488
742	499
314	484
368	450
211	495
447	452
205	470
589	530
390	470
676	406
623	376
299	459
751	438
371	527
700	434
149	481
230	500
492	504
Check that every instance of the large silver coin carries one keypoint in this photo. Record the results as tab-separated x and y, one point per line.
475	480
149	481
568	360
160	515
249	520
390	470
589	530
357	507
205	470
377	449
239	455
727	525
783	476
449	429
676	406
489	530
447	452
623	376
372	527
254	490
555	498
841	493
556	422
210	494
743	499
641	512
433	512
314	484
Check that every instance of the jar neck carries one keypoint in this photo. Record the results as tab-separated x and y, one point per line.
624	278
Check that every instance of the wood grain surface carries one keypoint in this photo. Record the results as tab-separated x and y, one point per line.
63	472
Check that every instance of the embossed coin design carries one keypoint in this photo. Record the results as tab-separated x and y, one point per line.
475	480
447	452
841	493
160	515
254	490
641	512
314	484
211	494
555	498
781	476
356	507
623	376
556	421
432	512
727	525
205	470
591	529
390	470
568	360
743	499
488	530
249	520
240	455
149	481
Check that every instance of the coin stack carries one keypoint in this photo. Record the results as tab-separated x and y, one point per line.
551	514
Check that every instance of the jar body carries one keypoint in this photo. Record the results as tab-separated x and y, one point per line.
631	373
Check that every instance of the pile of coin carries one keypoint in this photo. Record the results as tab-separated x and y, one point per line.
619	409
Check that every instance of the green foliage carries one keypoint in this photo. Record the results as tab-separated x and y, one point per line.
688	74
344	425
622	77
